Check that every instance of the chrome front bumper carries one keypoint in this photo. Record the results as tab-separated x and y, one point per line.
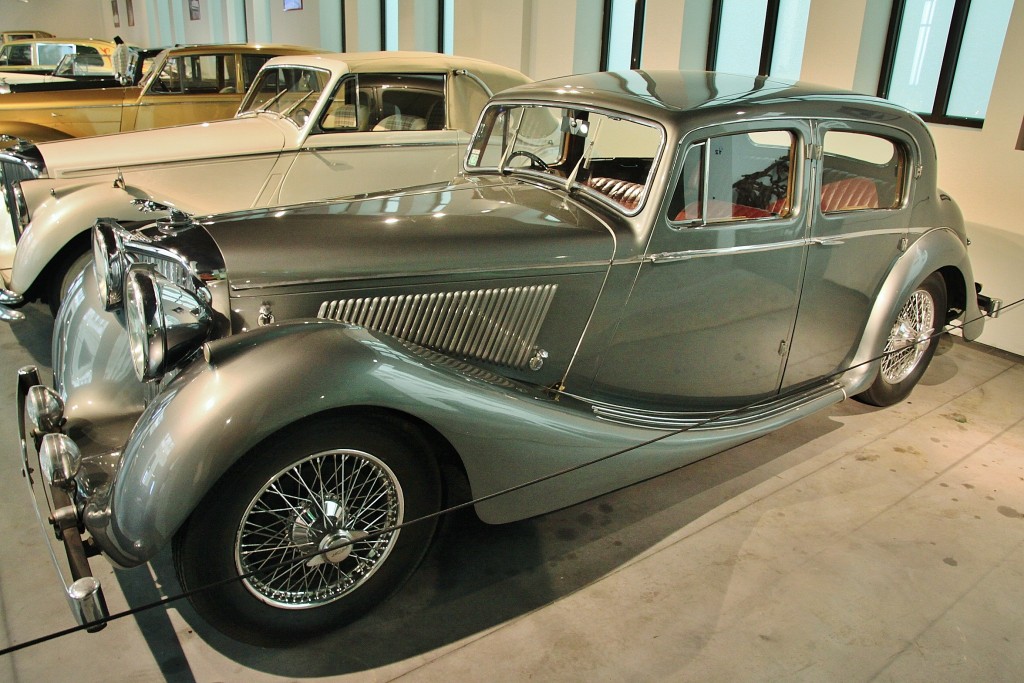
62	525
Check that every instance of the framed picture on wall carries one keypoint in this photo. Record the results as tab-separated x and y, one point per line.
292	4
193	10
117	17
130	11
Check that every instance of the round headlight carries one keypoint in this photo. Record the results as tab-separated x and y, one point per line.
45	409
59	459
145	322
166	323
108	264
21	208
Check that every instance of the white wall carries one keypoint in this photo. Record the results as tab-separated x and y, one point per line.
81	19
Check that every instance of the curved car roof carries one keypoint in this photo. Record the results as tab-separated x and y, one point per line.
397	61
702	97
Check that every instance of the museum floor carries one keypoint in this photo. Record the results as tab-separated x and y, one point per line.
857	545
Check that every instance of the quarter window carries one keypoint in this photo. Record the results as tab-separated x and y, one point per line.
860	171
736	177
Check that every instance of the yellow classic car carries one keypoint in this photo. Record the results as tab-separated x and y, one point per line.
185	85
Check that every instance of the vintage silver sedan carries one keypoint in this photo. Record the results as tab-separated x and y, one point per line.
636	270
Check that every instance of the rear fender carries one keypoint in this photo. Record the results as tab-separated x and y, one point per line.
938	249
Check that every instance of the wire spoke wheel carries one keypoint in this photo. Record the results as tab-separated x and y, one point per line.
312	532
293	541
909	346
909	338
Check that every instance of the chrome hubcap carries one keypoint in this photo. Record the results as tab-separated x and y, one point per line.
313	533
909	338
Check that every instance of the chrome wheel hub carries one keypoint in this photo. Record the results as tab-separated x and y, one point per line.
909	338
318	529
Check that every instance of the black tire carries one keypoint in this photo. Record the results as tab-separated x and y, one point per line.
921	315
261	498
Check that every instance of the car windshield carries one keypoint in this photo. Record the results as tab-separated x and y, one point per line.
607	155
289	91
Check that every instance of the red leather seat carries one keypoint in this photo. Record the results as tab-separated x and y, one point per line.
849	194
624	192
719	210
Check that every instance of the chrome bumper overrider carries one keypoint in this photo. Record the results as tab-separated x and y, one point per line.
83	590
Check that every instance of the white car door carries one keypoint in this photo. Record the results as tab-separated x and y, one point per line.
332	165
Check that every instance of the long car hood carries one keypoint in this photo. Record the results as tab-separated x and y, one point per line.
465	230
231	137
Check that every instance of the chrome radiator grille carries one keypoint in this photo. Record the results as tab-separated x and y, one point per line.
497	326
168	266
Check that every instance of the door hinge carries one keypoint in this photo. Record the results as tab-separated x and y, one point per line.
782	347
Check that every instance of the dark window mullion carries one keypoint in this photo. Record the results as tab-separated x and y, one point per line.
714	33
771	24
440	25
891	39
954	40
638	34
606	29
383	25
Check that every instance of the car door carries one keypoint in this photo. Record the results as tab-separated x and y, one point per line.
188	89
378	132
859	219
709	319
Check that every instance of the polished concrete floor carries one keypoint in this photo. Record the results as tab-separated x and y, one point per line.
857	545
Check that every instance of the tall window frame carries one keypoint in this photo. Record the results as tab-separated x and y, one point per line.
608	27
771	26
947	71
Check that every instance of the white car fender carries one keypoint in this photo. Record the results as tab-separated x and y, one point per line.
61	217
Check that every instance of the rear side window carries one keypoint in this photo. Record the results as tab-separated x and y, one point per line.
736	177
387	102
860	171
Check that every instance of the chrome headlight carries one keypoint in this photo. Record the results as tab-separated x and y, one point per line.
108	264
166	323
22	216
45	409
59	459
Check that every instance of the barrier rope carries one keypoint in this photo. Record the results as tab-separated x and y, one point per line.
166	600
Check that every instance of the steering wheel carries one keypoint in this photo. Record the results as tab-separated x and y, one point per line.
534	159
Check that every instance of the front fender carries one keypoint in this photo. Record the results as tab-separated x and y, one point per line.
937	249
61	212
506	434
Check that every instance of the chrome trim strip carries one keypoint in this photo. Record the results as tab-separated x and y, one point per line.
502	272
711	420
671	256
498	326
436	143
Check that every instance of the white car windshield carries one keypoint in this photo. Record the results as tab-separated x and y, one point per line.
608	155
289	91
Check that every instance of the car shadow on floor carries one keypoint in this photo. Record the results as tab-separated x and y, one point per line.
478	576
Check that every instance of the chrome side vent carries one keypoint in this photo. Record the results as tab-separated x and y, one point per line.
497	326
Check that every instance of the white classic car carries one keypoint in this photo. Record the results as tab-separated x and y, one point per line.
312	127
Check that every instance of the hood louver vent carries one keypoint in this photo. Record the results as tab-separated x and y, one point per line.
497	326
